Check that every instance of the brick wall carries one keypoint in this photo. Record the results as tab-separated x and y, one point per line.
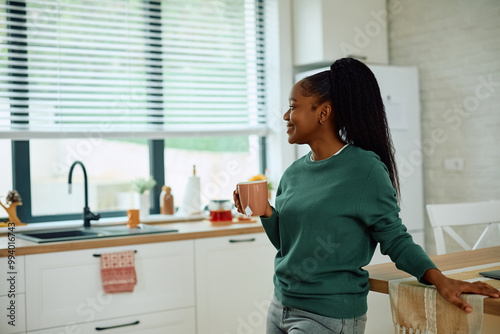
456	46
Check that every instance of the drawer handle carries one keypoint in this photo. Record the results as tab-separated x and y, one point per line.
360	57
99	255
241	240
117	326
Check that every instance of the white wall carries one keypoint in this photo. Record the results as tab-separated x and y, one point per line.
456	46
279	82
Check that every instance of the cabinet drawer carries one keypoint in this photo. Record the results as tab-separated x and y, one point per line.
65	288
176	321
13	312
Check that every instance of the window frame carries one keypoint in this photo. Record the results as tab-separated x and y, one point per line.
21	167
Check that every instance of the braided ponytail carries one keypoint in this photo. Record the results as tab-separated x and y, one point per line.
358	108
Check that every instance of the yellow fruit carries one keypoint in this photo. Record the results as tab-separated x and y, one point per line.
258	177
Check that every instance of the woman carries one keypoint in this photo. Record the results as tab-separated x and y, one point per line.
335	204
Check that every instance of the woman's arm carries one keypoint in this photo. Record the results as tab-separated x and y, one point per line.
387	229
269	211
450	289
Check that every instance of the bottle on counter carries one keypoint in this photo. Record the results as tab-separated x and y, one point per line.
166	201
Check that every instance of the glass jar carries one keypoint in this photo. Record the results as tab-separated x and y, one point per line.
220	210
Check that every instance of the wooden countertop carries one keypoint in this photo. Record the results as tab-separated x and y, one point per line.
380	274
186	231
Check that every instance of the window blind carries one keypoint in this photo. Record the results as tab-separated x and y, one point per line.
123	68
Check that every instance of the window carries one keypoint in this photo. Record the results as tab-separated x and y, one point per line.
5	174
142	68
221	162
148	77
109	180
5	145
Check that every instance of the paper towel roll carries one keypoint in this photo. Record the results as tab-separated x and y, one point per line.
191	205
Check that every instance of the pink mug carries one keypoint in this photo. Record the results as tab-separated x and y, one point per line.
253	197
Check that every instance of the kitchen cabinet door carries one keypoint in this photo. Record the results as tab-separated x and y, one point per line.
9	270
233	283
175	322
65	287
326	30
12	297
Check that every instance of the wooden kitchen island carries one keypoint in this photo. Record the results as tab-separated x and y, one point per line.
381	274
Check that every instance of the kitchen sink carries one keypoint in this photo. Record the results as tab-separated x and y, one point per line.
54	235
61	234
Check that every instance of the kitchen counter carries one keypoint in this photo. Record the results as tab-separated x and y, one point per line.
186	230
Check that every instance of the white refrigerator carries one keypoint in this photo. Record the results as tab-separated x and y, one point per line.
400	91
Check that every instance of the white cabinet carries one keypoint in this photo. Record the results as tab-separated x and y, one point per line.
233	289
177	321
233	283
13	316
6	273
379	314
12	296
65	288
325	30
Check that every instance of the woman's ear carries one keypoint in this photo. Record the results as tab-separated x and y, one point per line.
325	112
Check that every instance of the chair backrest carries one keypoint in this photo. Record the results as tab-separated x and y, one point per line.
444	216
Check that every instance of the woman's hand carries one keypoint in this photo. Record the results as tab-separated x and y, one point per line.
451	289
237	204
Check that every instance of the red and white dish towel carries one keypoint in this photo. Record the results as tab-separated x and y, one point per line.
118	272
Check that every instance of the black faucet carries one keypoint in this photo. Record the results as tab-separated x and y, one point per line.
87	215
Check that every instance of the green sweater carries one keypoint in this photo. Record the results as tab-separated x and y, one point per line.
328	218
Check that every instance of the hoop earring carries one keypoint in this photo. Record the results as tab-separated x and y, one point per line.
321	122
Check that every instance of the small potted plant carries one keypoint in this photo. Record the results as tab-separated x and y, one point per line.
141	187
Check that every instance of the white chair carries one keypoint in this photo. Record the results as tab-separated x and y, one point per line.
444	216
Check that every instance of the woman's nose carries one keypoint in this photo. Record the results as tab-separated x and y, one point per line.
286	115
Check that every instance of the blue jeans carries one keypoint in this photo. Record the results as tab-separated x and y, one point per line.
281	319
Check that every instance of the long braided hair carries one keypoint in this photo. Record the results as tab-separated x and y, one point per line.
358	109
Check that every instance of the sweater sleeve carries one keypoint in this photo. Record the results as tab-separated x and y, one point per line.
379	210
271	225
